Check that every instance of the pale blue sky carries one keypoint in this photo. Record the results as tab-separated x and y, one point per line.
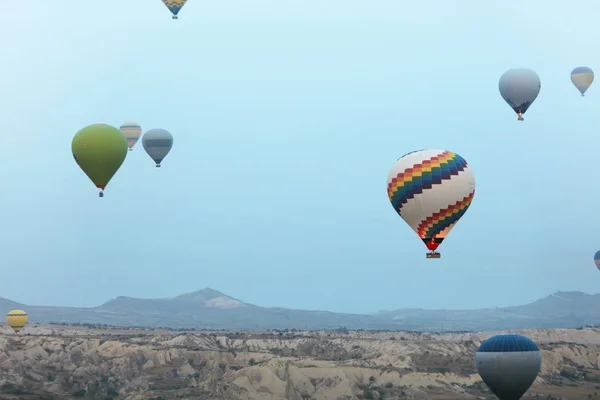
286	117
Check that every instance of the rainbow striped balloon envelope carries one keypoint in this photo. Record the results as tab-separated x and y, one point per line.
431	190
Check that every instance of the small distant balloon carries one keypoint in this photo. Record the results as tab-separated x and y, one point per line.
99	150
582	78
597	259
431	190
174	6
157	143
16	319
508	364
132	132
519	87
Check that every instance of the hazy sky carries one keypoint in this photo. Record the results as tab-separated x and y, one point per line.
286	117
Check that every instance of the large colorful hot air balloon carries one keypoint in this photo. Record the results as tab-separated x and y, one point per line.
174	6
132	132
508	365
16	319
99	150
597	259
431	190
582	78
519	87
157	143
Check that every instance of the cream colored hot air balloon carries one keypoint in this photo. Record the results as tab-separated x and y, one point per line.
582	78
16	319
132	132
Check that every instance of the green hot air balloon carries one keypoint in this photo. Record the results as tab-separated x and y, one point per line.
99	150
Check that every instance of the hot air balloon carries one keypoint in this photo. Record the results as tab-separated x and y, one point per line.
99	150
132	132
597	259
157	143
582	78
519	87
508	365
174	6
431	190
16	319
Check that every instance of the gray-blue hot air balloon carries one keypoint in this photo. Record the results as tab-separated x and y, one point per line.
157	143
582	78
597	259
519	87
508	365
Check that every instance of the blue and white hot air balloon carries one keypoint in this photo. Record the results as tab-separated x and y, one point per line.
508	364
582	78
157	143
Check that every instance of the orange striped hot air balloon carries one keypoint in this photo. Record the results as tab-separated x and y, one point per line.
132	132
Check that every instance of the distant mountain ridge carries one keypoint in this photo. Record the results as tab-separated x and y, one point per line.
211	309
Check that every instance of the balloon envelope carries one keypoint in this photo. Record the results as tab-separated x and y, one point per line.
508	365
99	150
157	143
16	319
431	190
174	6
597	259
582	78
519	87
132	132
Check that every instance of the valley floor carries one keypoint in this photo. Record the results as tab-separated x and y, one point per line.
61	362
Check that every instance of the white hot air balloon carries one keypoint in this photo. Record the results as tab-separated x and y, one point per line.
519	87
431	190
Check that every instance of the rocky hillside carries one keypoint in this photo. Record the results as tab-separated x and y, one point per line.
210	309
59	363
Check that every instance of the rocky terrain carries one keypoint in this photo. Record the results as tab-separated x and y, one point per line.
211	309
62	362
